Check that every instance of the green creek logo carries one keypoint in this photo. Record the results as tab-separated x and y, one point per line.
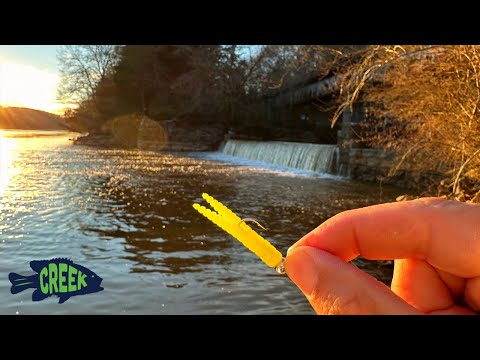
59	277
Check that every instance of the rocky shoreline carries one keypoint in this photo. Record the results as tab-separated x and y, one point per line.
97	140
180	137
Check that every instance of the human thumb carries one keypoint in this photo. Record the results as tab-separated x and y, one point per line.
335	287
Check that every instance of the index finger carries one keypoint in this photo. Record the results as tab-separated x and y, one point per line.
442	232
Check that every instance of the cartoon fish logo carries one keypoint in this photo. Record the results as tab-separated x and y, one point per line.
57	276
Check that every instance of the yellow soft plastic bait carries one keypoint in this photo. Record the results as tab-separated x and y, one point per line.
227	220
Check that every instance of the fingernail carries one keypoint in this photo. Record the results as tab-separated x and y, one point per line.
302	268
289	249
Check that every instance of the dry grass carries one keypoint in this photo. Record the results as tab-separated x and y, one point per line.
422	102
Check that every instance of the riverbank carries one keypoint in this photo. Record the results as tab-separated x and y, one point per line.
167	135
96	140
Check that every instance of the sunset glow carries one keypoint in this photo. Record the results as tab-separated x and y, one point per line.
26	86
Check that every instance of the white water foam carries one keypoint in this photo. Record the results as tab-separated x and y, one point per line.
262	165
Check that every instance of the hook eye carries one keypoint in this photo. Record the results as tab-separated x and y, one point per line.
280	268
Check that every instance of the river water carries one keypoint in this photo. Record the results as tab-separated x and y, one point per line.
127	215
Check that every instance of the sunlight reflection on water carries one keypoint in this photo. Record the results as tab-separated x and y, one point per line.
6	160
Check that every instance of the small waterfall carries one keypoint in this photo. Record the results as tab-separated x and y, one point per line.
315	157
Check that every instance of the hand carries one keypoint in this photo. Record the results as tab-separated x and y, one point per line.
435	244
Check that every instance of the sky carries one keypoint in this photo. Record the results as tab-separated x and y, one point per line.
29	77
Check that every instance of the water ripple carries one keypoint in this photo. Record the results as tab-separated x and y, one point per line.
127	215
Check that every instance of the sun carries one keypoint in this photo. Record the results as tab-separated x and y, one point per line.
26	86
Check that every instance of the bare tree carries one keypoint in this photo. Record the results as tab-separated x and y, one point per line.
218	78
422	102
82	68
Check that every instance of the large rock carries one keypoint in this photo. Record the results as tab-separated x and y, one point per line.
188	136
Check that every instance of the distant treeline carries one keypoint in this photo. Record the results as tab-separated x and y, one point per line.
30	119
